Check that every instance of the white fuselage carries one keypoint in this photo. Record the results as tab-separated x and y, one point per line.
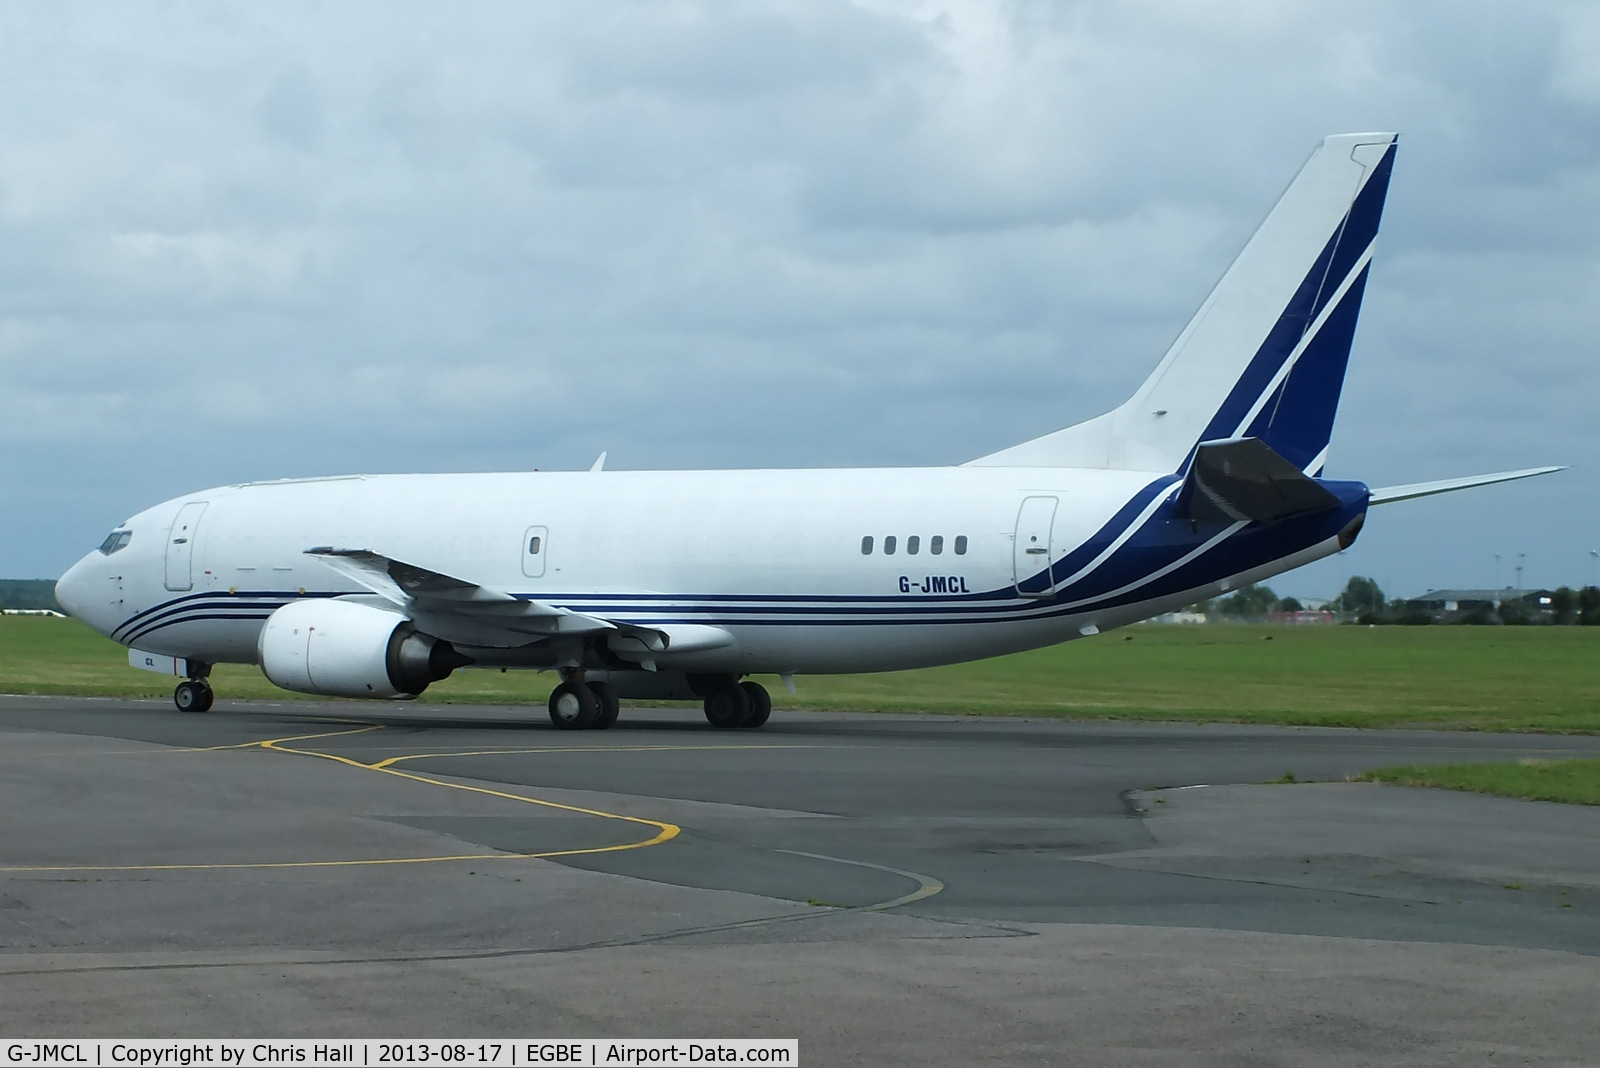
776	558
728	573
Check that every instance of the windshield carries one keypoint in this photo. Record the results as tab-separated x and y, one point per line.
116	541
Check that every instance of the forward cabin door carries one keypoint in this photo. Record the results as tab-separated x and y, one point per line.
1031	554
180	546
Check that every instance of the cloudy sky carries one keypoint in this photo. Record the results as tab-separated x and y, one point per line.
250	240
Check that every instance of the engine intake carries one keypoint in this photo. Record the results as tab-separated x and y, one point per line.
346	649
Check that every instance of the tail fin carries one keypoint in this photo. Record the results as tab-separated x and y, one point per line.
1265	355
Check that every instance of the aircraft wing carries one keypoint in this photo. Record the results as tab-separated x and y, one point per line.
467	613
453	608
1389	494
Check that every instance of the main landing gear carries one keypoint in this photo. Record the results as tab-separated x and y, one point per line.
576	705
735	705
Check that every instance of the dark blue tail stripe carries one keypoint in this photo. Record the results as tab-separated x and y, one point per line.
1298	421
1350	239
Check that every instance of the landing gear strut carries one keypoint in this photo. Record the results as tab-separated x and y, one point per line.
193	696
738	704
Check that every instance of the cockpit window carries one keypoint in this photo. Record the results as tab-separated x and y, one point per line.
116	541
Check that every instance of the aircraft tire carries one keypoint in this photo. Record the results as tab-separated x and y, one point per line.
573	707
760	705
193	696
728	707
606	694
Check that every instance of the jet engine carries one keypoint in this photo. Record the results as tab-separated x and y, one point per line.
347	649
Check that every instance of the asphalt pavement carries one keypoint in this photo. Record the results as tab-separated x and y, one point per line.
889	889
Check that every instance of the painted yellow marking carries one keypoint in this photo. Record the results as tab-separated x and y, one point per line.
156	748
927	885
268	863
665	832
383	765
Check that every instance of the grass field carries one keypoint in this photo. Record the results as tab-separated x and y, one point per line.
1475	678
1572	781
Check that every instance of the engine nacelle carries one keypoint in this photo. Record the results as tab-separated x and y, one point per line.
346	649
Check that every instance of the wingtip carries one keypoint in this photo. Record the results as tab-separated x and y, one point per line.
1391	494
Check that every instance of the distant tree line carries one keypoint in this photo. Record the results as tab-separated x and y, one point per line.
1362	601
28	593
1250	602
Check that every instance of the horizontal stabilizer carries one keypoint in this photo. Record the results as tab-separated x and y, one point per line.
1389	494
1242	479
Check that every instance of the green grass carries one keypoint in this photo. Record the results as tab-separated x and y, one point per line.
1572	781
1475	678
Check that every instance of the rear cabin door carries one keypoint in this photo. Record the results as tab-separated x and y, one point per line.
1031	554
180	546
535	548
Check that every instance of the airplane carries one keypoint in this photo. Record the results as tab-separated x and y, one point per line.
683	584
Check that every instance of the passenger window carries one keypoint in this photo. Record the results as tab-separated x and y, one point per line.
866	545
533	545
961	545
936	544
913	543
888	545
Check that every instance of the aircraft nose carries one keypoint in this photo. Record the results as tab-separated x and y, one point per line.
73	589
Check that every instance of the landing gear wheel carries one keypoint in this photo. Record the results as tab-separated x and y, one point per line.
573	706
728	706
606	694
760	704
193	696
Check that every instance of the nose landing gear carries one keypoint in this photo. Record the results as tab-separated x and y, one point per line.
193	696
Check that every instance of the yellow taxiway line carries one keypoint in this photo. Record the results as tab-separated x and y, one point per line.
665	832
384	765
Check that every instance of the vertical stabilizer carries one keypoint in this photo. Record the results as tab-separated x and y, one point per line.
1265	355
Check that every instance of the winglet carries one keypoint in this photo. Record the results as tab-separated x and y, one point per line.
599	464
1390	494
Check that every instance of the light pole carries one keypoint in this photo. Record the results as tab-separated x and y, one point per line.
1497	571
1594	554
1519	569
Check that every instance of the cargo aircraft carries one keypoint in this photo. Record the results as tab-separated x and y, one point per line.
682	584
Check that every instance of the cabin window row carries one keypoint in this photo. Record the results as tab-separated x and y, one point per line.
913	545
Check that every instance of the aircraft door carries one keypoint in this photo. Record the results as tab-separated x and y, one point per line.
534	550
180	546
1031	553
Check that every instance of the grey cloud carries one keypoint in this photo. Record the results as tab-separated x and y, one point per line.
242	241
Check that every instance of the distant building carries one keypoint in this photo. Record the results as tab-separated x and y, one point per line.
1451	606
31	612
1304	616
1178	617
